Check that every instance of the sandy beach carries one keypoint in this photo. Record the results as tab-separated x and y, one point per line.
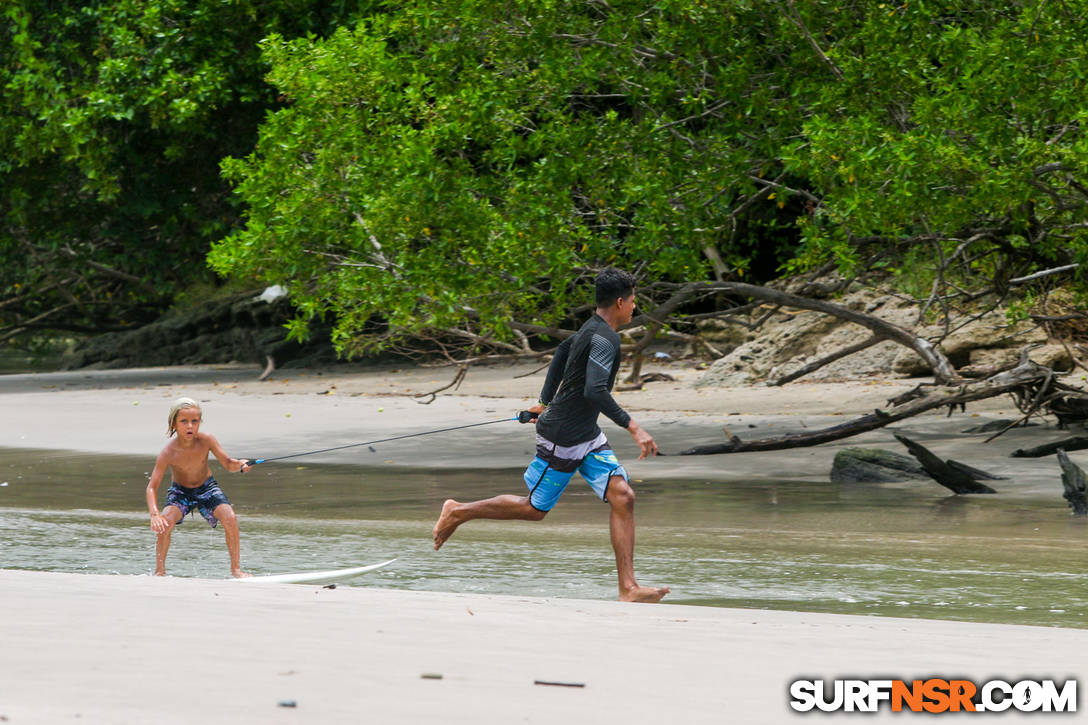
96	649
136	649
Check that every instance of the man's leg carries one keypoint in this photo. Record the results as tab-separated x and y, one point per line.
225	514
504	507
172	514
621	525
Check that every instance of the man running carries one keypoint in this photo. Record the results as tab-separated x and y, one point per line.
577	389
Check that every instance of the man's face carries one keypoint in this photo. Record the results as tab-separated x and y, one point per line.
627	308
188	423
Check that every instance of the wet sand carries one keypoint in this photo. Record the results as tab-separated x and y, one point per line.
123	649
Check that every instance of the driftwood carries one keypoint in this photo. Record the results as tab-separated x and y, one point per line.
995	426
950	474
984	371
458	378
1023	375
975	473
647	378
1069	410
269	368
1075	443
1075	484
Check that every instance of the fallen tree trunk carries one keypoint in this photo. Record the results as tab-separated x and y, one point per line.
1075	443
1023	375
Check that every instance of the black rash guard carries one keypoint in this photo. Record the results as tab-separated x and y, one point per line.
583	371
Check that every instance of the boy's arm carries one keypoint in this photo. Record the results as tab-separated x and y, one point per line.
234	465
158	523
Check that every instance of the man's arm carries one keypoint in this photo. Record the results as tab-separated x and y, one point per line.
602	357
555	371
647	446
234	465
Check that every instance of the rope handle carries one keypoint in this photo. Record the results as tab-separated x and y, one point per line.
523	416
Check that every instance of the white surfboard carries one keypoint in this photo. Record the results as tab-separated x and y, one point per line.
316	577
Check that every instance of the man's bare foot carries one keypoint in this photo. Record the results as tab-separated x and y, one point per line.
644	594
239	574
446	524
160	572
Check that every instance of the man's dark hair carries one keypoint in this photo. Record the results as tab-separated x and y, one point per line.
612	284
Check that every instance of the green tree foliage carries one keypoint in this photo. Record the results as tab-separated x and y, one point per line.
455	166
464	167
114	115
954	137
467	163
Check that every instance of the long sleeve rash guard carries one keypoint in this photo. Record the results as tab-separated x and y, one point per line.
579	385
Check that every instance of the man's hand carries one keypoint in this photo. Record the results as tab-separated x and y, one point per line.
530	415
647	446
159	524
243	465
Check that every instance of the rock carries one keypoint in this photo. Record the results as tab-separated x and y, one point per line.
874	465
994	357
1054	356
907	363
992	331
723	335
791	339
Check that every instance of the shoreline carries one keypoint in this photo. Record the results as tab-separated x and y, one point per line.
297	411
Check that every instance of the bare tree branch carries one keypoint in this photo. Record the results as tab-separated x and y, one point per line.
1044	273
796	19
934	358
1013	380
455	384
827	360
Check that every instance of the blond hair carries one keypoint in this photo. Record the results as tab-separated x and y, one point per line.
179	405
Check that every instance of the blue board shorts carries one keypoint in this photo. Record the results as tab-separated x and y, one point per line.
204	497
552	468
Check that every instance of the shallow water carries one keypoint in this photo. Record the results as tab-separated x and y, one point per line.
894	549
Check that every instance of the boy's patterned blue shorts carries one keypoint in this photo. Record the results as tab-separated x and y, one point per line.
204	497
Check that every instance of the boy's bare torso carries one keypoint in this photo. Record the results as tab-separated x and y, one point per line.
188	463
